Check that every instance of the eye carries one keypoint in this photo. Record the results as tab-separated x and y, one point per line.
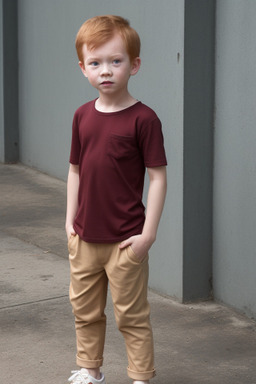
94	63
116	61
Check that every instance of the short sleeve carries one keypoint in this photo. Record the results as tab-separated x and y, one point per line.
151	143
75	142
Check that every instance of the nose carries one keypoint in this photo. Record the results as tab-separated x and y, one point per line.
106	70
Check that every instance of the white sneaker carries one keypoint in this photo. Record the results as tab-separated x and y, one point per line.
83	377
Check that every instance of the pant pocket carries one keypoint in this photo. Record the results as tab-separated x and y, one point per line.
133	257
72	241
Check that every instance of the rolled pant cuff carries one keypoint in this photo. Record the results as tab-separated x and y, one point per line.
143	376
89	363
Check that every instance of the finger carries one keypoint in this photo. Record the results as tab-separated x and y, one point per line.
125	243
122	245
71	233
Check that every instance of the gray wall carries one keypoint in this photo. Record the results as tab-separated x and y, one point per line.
177	80
2	150
51	87
234	264
199	65
9	131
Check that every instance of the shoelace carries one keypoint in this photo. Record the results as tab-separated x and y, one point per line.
79	378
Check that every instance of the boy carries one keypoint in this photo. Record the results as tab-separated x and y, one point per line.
113	139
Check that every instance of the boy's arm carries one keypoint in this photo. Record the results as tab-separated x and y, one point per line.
72	198
155	203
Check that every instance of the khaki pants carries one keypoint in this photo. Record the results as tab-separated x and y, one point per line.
93	266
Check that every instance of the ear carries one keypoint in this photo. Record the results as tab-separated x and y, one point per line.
135	66
81	65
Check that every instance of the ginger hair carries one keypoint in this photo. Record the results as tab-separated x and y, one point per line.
98	30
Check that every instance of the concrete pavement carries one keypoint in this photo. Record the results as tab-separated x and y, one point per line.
204	343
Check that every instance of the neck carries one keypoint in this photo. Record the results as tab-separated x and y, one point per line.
107	103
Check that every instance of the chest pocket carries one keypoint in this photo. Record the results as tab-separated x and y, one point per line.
121	147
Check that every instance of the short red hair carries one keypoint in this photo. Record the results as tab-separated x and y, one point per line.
98	30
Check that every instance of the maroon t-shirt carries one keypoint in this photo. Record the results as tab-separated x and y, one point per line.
112	151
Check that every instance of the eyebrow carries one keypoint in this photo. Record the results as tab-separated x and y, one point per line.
95	58
91	59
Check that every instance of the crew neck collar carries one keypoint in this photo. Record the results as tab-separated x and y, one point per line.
114	112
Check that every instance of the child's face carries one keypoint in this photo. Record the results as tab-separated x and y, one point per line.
108	67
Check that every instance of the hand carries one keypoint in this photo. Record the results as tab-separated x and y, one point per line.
70	231
139	244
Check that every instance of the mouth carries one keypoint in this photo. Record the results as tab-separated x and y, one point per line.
107	83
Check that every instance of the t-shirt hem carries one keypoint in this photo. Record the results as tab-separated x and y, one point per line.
74	162
112	240
160	163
